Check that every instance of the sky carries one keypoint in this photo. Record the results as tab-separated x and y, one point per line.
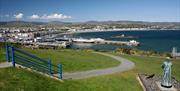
90	10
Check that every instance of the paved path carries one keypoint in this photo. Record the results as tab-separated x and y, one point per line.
5	64
124	66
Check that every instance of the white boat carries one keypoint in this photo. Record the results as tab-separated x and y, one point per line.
97	39
133	42
82	40
92	40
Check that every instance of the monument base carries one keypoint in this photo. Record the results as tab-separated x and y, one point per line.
172	88
166	86
152	83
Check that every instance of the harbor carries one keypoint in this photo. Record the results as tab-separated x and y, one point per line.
102	41
98	41
46	45
148	40
67	42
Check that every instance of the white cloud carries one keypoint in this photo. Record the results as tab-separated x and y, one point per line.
34	17
56	16
19	16
50	17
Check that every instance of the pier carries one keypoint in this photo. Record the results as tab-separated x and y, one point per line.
129	43
102	41
66	42
62	44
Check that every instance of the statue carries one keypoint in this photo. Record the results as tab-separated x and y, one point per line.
166	78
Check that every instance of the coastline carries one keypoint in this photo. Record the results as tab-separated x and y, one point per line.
114	30
156	38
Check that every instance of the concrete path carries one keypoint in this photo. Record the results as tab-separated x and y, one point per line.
5	64
124	66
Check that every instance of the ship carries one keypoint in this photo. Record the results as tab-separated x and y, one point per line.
133	43
123	36
83	40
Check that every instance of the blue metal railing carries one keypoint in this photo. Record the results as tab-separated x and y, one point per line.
31	61
7	52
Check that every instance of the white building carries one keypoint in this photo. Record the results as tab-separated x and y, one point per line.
174	53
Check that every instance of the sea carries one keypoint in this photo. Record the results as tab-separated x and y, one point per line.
152	40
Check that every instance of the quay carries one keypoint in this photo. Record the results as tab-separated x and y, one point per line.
66	42
129	43
102	41
53	45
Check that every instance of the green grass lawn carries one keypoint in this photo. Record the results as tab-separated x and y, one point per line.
72	60
2	55
22	80
75	60
152	65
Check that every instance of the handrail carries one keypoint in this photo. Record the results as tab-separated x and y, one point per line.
21	58
30	66
30	55
32	61
26	58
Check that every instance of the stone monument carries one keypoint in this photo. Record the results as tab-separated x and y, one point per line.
166	78
165	82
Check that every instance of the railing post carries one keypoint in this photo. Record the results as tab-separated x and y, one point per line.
7	52
12	54
60	71
50	66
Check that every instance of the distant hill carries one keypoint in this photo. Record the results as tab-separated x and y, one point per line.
20	24
173	25
128	22
58	23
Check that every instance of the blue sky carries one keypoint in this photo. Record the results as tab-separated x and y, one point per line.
86	10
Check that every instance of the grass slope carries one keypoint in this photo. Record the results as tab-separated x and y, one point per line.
23	80
75	60
153	65
2	55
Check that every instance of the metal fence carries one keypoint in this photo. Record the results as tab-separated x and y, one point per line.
17	56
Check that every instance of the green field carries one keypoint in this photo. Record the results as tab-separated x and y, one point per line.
75	60
2	55
22	80
153	65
